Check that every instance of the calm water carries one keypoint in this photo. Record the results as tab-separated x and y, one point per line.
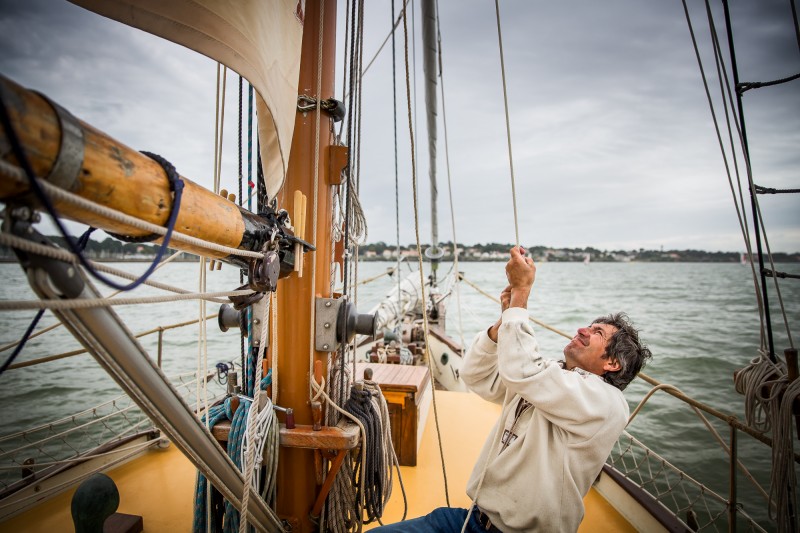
699	320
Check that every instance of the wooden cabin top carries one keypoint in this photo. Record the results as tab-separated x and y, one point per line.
396	378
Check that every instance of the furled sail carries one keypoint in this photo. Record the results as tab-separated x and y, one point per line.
259	39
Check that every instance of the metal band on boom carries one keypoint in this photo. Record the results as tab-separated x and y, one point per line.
69	161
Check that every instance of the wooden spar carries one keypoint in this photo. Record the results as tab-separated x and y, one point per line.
297	480
113	175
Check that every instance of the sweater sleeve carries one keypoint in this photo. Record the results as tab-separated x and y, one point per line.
480	372
577	402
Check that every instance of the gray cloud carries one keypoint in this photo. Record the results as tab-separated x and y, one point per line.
612	137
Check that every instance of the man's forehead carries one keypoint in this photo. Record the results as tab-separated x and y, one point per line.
608	329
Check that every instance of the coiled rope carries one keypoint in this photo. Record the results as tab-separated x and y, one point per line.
360	406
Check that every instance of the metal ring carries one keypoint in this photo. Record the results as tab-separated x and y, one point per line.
69	160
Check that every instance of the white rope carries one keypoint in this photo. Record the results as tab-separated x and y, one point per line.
89	303
783	483
201	366
273	344
12	241
313	238
508	121
61	195
249	458
219	126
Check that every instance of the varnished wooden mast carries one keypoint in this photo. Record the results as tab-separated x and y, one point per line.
297	484
116	176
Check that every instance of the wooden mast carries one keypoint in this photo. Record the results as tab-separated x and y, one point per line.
297	479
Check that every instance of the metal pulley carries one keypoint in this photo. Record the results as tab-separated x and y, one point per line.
263	273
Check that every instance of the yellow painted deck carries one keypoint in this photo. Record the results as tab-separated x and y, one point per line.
160	485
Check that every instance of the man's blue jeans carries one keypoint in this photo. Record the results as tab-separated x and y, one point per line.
441	520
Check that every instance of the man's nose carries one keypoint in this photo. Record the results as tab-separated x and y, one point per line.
583	331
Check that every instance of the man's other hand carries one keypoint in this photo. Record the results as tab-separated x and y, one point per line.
505	298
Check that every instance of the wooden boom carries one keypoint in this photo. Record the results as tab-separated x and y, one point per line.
109	173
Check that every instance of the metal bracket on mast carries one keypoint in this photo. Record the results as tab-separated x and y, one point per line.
338	322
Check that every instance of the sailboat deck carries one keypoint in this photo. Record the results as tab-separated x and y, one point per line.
160	485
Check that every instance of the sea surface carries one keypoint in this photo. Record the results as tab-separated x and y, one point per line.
699	320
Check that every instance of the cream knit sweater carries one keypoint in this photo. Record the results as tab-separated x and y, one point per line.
545	460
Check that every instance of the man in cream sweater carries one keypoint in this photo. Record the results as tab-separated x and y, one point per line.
559	422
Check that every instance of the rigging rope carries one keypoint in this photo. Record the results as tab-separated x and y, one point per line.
419	256
449	187
508	121
739	213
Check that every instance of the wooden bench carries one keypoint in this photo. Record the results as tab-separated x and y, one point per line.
406	389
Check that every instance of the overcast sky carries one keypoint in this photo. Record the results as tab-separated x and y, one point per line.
612	137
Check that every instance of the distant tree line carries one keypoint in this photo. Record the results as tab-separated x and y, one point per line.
112	249
494	251
109	249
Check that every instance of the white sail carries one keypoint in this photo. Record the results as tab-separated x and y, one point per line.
259	39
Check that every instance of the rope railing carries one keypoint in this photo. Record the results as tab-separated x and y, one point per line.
72	353
12	305
389	272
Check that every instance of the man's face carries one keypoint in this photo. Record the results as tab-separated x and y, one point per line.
587	347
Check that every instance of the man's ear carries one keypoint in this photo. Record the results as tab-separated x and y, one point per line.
612	365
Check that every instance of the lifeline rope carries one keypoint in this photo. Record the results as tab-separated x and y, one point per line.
508	121
10	305
419	257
